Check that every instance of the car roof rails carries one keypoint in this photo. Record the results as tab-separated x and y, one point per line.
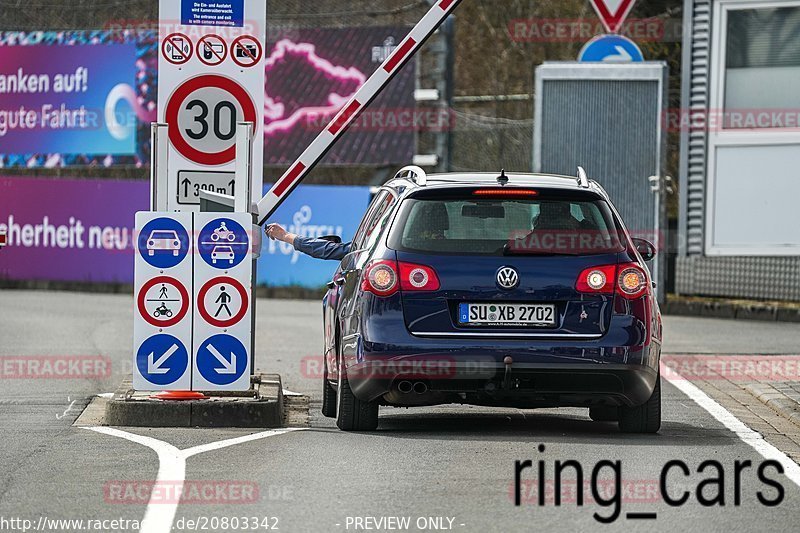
415	173
583	179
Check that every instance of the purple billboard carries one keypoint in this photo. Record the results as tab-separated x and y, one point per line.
311	73
69	229
87	97
75	98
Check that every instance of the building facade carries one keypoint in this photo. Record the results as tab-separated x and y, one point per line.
740	150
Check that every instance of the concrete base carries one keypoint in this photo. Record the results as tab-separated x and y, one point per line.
261	407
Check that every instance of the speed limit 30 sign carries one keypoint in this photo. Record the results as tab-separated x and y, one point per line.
210	76
202	114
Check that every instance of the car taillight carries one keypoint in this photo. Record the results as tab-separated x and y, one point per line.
380	278
629	280
598	280
418	278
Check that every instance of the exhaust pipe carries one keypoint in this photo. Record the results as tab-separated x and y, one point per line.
405	387
420	387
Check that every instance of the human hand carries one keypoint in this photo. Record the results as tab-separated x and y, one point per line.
278	233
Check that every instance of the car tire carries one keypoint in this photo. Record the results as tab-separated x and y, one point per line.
604	413
328	396
353	414
645	418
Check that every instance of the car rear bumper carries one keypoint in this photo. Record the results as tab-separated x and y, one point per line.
437	381
618	368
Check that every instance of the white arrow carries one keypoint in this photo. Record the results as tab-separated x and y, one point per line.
621	57
154	367
229	367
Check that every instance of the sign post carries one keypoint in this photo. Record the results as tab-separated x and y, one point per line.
194	271
210	77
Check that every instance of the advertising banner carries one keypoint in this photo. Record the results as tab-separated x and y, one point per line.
75	98
331	64
78	98
83	230
69	230
311	211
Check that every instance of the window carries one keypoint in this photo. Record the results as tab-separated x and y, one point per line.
374	221
762	68
506	226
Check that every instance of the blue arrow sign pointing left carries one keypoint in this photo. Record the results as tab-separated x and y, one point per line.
162	359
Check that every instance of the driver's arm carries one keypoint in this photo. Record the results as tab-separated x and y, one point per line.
316	248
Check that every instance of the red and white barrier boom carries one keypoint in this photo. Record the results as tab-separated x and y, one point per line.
360	100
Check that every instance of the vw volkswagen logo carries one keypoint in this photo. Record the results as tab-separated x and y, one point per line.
507	278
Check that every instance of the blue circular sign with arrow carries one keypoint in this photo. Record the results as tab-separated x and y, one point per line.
610	49
223	243
222	359
163	242
162	359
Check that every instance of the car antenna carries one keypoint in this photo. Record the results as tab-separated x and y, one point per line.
502	179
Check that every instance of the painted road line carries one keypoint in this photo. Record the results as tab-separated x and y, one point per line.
749	436
159	516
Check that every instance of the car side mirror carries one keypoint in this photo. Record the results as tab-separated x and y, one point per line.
332	238
645	248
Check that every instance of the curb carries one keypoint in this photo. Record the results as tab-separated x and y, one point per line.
259	408
775	399
733	310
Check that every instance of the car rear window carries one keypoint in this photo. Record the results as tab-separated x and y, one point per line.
471	225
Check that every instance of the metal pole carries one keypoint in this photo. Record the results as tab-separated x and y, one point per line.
244	168
159	150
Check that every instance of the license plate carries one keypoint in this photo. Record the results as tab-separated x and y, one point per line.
494	314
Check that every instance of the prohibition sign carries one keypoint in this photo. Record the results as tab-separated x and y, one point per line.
180	48
140	302
248	57
222	280
176	102
211	49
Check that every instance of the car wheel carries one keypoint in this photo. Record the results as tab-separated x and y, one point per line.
328	396
353	414
645	418
604	413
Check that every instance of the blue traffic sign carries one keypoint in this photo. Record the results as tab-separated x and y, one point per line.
223	243
163	242
162	359
610	49
222	359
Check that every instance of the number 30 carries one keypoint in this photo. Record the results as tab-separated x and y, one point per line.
201	119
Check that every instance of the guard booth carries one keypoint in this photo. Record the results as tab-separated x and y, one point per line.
607	118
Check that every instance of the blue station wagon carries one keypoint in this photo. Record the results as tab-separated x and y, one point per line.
504	290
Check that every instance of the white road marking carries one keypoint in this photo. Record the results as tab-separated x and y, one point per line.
159	516
749	436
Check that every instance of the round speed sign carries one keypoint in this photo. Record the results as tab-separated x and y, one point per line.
202	114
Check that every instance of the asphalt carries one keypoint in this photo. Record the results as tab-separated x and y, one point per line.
451	462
